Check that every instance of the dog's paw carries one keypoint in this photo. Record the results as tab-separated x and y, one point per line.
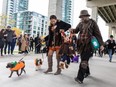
36	70
9	77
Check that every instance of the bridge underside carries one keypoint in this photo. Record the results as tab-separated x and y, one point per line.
108	13
107	10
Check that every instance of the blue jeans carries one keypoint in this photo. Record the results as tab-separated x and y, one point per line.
110	54
12	47
65	58
9	47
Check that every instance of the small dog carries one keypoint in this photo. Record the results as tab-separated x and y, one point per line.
38	63
63	65
15	67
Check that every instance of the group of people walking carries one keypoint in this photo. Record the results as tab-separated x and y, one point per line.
64	45
61	43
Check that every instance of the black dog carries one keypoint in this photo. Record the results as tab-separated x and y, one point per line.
15	68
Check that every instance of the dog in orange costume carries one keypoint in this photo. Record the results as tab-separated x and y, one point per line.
16	67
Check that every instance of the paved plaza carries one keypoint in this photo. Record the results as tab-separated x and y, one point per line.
103	73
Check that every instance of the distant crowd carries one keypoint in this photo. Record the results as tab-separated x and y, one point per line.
9	40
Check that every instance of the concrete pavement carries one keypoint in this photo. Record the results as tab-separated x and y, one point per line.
103	73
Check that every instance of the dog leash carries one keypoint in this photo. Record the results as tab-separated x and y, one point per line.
23	57
42	55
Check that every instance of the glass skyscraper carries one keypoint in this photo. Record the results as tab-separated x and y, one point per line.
12	6
32	23
67	11
63	9
20	5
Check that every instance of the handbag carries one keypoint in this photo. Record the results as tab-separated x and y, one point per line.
94	42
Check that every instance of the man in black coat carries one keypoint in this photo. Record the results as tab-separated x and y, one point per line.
111	45
37	44
9	37
54	41
2	41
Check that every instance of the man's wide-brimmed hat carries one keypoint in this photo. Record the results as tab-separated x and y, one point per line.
84	13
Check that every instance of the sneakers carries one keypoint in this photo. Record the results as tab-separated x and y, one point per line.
77	80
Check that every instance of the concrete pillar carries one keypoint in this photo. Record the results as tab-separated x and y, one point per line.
110	31
94	13
55	8
114	33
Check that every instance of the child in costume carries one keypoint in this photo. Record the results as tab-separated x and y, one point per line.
65	51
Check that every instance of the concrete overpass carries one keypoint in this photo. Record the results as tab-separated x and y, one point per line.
107	10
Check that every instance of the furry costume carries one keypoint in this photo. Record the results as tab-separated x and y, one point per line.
65	51
14	66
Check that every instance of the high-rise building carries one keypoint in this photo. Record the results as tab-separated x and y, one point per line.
67	11
63	9
31	22
12	6
21	5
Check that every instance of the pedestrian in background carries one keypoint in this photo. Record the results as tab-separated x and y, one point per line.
37	44
31	43
111	44
19	43
8	38
2	32
13	44
24	44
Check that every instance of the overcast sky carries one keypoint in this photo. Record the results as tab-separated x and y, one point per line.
41	6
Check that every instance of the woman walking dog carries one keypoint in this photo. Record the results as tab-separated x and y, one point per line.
55	41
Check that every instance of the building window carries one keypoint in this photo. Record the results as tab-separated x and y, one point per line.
38	28
34	32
